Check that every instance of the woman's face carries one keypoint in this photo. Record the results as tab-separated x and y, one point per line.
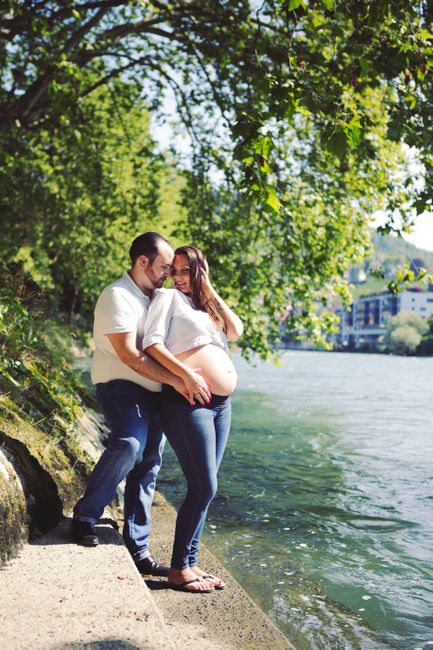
180	273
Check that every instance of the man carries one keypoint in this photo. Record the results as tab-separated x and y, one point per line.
128	384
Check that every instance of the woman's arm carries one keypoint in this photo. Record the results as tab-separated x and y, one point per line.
156	329
233	323
196	386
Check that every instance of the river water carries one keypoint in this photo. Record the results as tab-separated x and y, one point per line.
324	510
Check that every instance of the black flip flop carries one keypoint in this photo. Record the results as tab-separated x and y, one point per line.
182	587
209	575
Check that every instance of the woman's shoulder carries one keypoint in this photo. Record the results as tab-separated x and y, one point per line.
170	296
169	299
163	294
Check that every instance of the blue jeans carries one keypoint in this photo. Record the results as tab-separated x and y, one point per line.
198	435
134	451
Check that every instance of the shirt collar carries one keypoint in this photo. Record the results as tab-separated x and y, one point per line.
134	288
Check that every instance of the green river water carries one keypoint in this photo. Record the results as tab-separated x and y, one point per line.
325	500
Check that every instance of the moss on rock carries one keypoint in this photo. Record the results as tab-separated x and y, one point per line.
13	512
51	471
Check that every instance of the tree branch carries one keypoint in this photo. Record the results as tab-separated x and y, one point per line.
78	35
144	27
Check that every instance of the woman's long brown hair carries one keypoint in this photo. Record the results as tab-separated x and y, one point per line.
197	262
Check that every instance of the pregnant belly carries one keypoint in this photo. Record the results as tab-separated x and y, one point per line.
216	367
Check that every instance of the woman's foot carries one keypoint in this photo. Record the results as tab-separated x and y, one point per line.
215	582
188	580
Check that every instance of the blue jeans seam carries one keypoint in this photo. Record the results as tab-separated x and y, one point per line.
197	500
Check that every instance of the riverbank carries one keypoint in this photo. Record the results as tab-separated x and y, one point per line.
55	594
229	618
58	595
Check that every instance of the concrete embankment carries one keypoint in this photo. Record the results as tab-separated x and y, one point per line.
228	618
59	596
56	595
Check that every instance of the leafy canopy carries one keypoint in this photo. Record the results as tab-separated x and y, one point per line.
296	113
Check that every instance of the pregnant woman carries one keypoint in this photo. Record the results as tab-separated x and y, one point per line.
187	328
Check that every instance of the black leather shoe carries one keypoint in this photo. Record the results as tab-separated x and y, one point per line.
84	533
150	567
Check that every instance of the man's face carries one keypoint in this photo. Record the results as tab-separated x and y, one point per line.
159	269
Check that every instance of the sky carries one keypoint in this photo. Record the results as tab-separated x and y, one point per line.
422	235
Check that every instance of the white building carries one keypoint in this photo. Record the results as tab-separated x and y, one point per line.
365	323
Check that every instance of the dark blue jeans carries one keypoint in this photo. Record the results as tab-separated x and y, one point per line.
198	435
134	451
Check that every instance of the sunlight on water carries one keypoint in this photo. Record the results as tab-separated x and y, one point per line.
325	500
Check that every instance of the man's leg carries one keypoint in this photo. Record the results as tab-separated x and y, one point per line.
139	491
120	401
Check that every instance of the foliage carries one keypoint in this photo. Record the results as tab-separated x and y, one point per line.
76	193
297	109
403	340
286	264
390	254
404	333
425	347
35	361
273	61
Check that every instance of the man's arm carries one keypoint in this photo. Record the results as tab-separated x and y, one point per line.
196	385
124	344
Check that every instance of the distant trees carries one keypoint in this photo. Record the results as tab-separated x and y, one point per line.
425	348
404	333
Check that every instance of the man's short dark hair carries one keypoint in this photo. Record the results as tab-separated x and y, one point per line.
146	244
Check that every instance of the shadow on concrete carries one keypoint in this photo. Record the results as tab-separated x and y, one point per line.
156	585
104	644
106	530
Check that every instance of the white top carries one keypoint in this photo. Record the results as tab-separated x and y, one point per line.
173	321
121	307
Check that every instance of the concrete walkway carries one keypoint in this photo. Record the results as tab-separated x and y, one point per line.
60	596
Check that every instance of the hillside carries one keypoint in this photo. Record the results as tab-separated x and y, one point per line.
392	249
389	252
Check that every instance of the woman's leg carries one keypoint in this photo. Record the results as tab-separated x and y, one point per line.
191	433
222	422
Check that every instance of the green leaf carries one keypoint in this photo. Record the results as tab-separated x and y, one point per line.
273	200
424	34
337	144
329	4
294	4
420	206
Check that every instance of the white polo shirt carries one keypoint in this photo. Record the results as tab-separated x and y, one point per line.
121	307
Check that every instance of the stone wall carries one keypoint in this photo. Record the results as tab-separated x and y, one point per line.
41	475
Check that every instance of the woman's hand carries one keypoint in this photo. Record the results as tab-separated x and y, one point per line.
197	387
233	325
206	283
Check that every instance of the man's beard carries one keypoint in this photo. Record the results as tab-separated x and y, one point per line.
157	282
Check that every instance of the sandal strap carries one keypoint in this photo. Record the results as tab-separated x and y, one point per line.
188	582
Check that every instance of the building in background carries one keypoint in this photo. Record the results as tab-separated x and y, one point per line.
364	324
